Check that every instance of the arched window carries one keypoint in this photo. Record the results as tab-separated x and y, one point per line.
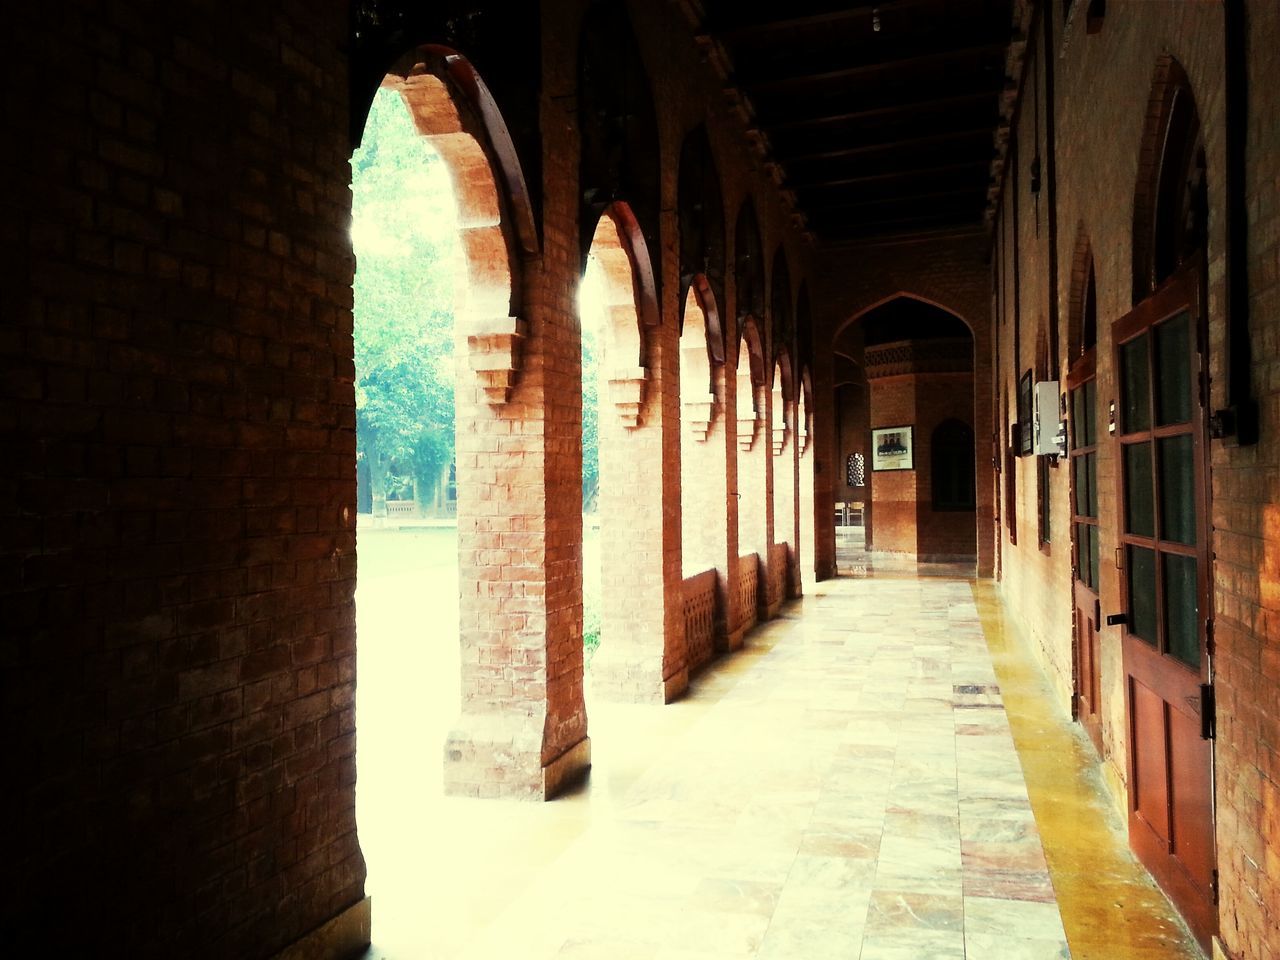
1171	204
951	466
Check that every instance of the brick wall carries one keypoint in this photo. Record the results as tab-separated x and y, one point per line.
1103	84
950	273
178	406
179	487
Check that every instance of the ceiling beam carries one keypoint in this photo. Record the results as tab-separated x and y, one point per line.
906	143
889	176
907	106
855	10
777	83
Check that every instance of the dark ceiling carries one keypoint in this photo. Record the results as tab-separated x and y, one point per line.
878	132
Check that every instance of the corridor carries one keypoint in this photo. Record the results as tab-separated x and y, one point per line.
846	786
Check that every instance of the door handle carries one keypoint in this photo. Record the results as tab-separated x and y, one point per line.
1116	619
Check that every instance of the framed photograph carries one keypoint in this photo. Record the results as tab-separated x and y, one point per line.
891	449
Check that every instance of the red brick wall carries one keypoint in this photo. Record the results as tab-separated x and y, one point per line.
1103	84
179	412
950	273
179	494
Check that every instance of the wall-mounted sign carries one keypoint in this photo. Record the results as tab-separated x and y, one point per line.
891	448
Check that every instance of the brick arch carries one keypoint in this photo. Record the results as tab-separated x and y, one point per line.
1172	148
748	267
620	156
804	409
451	107
899	295
751	379
804	327
631	304
1082	300
783	387
700	212
781	303
701	295
700	328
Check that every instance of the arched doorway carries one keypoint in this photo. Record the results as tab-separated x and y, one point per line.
1161	351
917	359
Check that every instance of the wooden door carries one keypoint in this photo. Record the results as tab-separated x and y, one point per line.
1164	561
1083	398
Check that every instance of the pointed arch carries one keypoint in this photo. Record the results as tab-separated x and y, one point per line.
700	210
620	158
631	306
453	109
1082	300
781	303
748	265
1171	197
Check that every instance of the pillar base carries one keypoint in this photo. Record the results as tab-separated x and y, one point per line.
498	756
344	937
619	678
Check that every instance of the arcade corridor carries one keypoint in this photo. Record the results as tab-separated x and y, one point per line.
847	785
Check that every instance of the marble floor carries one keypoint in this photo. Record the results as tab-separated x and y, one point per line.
849	785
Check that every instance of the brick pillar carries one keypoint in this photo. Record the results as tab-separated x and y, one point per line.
806	574
783	449
522	731
753	479
641	658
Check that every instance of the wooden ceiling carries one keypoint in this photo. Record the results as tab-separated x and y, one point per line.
879	132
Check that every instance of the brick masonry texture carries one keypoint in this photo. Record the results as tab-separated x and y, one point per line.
179	489
178	416
1103	82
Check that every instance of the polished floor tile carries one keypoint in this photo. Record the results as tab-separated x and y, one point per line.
850	785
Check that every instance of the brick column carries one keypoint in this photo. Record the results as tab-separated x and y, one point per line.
641	658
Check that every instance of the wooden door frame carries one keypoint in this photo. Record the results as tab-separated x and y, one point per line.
1082	370
1185	290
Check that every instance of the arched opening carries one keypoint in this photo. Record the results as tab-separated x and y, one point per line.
623	630
440	220
918	363
703	491
805	487
1082	302
784	457
753	442
1171	200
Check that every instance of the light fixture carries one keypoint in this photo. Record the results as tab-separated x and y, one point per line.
875	19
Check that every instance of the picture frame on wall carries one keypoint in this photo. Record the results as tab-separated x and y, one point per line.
891	448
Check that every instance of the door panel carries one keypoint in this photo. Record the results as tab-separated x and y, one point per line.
1150	777
1164	535
1083	435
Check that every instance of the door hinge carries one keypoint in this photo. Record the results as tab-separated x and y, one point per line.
1208	713
1208	636
1097	614
1213	886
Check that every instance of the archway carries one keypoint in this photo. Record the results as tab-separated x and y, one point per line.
918	363
784	455
753	443
805	488
703	488
439	333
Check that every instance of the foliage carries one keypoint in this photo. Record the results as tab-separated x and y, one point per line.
404	234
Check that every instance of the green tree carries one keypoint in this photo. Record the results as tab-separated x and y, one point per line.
404	232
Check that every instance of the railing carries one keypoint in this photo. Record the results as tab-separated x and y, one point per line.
748	586
402	508
700	617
